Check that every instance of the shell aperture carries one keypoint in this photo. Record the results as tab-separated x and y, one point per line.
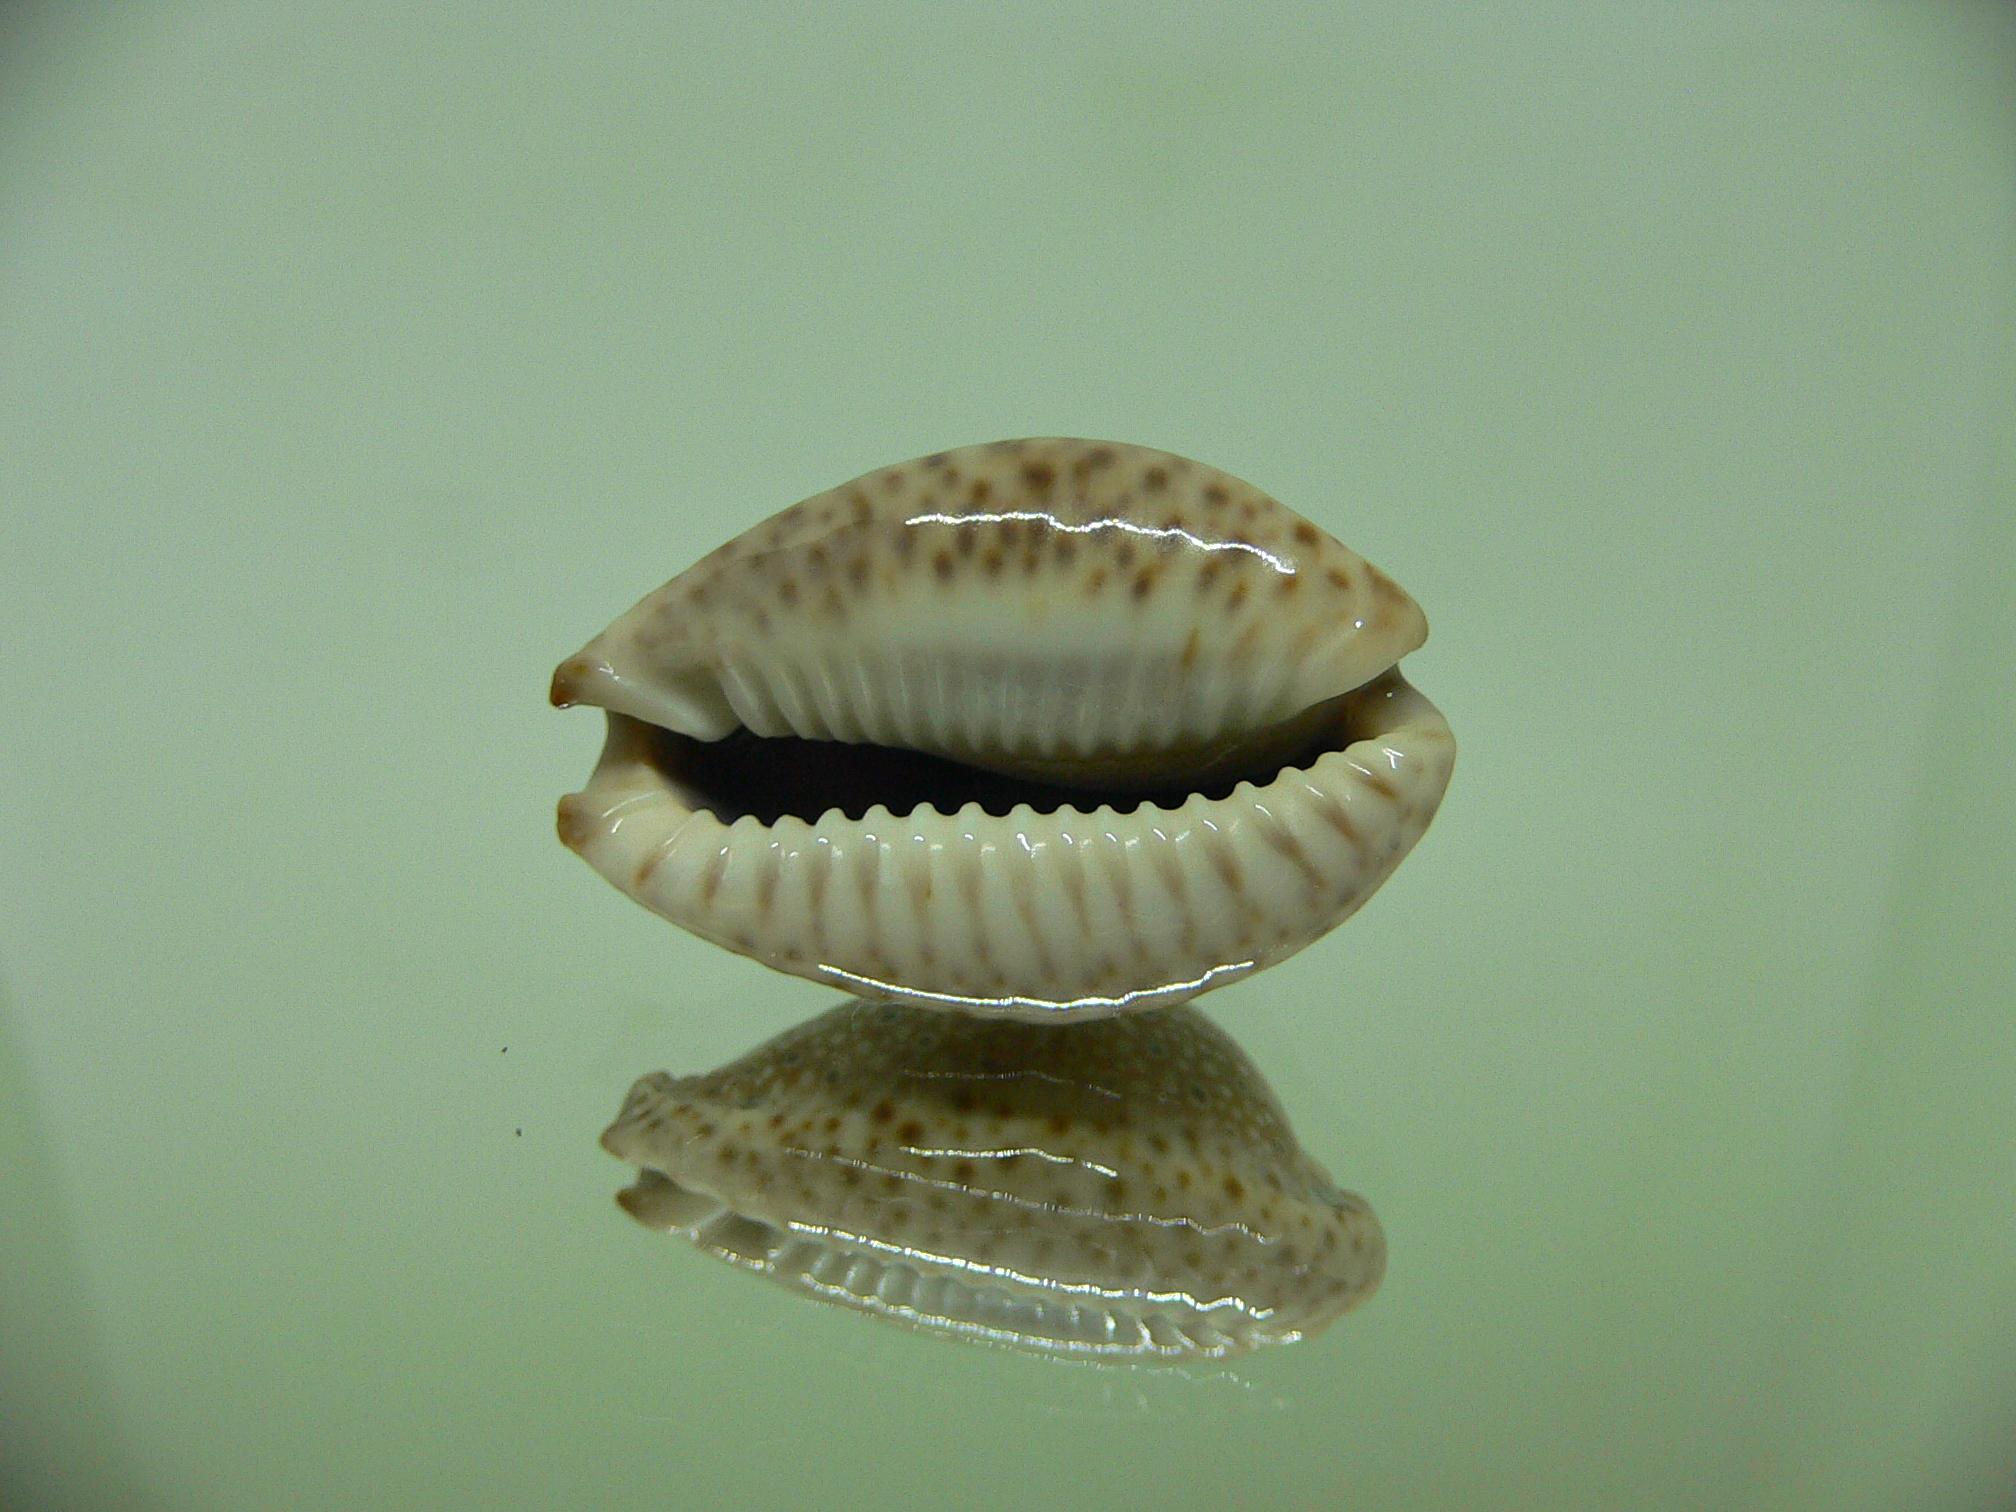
1127	1189
1045	729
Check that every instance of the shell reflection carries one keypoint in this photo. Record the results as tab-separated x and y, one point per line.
1126	1188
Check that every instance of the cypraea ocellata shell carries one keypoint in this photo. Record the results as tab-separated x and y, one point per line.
1039	729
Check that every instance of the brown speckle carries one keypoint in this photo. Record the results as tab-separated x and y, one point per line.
1155	479
1039	476
941	563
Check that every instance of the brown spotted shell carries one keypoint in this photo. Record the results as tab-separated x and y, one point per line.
1043	728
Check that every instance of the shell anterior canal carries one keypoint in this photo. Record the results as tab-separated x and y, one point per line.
1045	728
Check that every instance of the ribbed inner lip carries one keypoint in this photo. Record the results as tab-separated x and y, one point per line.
771	776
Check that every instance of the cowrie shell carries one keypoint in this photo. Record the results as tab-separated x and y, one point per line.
1046	729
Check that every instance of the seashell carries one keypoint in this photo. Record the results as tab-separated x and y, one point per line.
1127	1189
1043	729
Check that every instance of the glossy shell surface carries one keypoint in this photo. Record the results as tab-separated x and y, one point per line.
1124	1190
1175	700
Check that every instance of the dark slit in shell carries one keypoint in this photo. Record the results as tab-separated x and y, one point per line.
771	776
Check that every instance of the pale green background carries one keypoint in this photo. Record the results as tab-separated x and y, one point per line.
356	363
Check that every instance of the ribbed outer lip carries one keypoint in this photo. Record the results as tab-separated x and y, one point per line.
1039	916
1013	1312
